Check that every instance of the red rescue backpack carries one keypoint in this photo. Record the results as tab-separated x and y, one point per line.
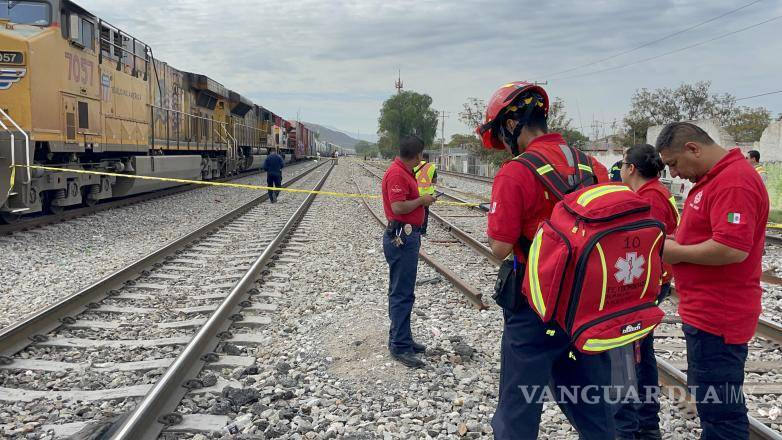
595	266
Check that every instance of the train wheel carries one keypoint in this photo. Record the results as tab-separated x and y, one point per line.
48	200
86	200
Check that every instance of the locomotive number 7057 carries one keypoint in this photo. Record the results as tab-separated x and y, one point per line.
79	69
11	57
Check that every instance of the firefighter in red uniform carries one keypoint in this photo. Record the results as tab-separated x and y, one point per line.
533	354
640	170
716	258
404	209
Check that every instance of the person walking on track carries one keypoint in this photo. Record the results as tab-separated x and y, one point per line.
404	209
426	175
533	354
639	420
273	166
716	257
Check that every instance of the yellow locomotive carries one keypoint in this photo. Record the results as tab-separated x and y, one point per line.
79	93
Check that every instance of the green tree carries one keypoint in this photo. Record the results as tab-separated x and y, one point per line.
387	148
473	112
405	114
574	138
469	141
690	102
558	120
748	126
364	148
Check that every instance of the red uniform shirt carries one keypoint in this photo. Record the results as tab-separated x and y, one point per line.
662	209
730	206
518	199
399	185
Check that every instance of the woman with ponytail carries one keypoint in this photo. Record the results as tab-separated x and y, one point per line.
640	171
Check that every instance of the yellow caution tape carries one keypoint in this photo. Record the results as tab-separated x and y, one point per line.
13	180
224	184
774	225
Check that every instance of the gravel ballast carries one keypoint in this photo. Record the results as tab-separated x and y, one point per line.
42	266
326	371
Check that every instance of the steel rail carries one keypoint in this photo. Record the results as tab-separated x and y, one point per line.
773	239
20	335
469	292
770	330
669	375
149	417
475	177
673	377
458	199
766	328
460	234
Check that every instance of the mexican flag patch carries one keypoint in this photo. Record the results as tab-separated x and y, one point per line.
734	217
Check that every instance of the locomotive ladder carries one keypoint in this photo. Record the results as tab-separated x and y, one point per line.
5	120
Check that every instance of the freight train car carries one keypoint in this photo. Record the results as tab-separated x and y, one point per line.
79	93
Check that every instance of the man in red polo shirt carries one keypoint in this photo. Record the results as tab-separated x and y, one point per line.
716	257
404	210
534	354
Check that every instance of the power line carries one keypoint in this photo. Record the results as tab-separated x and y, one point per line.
654	41
681	49
757	96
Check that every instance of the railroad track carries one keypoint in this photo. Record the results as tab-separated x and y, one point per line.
474	177
472	294
150	329
463	223
40	220
672	374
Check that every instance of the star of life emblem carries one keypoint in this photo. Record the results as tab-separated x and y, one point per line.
629	268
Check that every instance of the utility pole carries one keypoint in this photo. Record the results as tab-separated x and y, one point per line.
443	114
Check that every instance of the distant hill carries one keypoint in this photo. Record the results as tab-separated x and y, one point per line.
332	135
369	137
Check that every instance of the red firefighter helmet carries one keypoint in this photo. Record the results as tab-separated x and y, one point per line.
509	98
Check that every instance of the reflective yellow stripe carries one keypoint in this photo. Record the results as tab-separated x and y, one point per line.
545	169
532	273
672	200
587	197
605	275
424	174
649	263
608	344
586	168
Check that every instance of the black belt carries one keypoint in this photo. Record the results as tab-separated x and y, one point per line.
395	226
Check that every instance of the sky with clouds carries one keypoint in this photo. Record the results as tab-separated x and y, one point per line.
335	62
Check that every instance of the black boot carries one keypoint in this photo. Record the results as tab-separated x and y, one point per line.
408	359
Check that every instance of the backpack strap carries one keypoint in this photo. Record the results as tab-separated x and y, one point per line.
557	184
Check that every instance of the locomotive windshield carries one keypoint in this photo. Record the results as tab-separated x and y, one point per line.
25	12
